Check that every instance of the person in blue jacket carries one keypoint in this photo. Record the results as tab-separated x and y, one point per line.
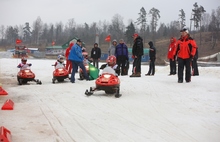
76	58
121	53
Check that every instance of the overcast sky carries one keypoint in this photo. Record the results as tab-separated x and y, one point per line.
17	12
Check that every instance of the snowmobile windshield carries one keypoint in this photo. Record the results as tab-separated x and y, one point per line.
59	66
108	70
25	67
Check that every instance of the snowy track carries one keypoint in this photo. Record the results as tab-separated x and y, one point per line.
154	108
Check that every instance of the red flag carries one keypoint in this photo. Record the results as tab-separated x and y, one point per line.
53	43
18	41
108	38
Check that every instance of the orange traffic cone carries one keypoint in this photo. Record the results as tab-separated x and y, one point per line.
8	105
5	135
2	91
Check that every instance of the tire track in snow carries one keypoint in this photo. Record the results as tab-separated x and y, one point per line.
47	116
160	113
78	123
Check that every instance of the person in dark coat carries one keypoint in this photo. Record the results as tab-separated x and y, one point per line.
95	55
137	53
152	53
185	51
121	53
195	71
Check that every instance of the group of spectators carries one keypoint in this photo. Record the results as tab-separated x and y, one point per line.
184	50
120	51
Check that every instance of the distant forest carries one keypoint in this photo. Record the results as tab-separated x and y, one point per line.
41	33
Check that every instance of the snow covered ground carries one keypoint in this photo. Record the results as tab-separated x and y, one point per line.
151	109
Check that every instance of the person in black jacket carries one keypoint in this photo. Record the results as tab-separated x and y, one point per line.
152	53
95	55
195	71
137	52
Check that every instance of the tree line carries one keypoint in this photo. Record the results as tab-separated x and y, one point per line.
41	33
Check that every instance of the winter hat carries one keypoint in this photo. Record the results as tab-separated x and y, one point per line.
79	40
135	35
150	43
114	41
96	44
184	30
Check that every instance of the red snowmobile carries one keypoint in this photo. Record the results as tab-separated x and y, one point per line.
60	73
25	75
108	82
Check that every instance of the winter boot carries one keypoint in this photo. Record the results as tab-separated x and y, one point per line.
133	75
138	74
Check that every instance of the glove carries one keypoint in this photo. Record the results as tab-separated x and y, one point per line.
191	57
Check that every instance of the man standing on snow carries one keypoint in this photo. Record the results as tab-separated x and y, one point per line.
152	53
137	52
95	55
171	57
185	51
76	58
195	70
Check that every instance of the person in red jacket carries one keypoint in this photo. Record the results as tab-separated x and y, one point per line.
185	51
171	57
68	62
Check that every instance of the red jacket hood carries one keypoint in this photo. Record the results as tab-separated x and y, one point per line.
174	40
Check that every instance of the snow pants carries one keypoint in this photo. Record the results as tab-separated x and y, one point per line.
181	64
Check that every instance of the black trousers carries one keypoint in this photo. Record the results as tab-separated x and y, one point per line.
96	63
137	65
181	64
195	70
172	66
151	67
121	60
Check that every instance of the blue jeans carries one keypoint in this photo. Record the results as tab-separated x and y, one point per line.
75	65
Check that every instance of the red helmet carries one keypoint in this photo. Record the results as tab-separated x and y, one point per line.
85	54
111	60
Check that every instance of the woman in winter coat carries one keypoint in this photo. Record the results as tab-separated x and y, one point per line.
68	62
171	57
111	50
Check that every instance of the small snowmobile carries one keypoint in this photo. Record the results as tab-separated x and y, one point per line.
25	75
108	81
60	73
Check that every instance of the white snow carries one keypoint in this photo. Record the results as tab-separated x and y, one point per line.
151	108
